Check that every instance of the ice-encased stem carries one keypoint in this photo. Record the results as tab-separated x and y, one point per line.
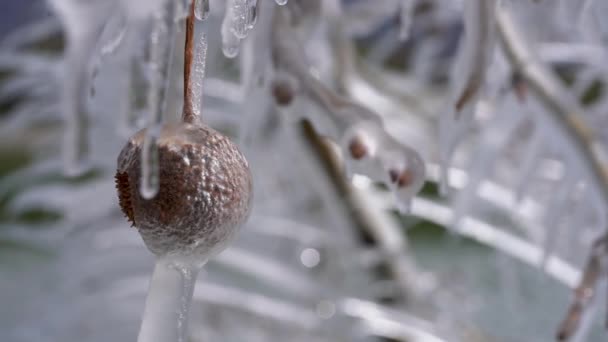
360	132
162	44
198	74
230	42
168	302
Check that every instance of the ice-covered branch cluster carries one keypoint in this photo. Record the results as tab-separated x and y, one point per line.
365	144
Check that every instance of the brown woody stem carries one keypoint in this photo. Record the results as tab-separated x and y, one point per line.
188	115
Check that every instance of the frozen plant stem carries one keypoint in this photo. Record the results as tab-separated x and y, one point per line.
168	303
366	146
81	42
370	221
186	222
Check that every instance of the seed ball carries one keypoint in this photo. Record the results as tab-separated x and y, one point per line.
205	191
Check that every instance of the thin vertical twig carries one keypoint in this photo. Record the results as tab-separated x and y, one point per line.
188	115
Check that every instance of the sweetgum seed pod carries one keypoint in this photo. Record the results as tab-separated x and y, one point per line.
204	196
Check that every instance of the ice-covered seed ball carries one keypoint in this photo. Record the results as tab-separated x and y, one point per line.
204	195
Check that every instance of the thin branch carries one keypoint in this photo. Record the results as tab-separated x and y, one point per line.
585	291
188	114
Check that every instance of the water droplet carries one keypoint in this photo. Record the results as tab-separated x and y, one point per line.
326	309
310	257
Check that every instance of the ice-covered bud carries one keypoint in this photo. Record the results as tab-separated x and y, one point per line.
369	150
204	196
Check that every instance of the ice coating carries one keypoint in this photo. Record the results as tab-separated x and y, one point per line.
82	25
204	196
162	44
244	16
369	150
230	42
366	146
197	77
201	9
239	19
167	308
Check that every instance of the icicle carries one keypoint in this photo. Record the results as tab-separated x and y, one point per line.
239	19
281	2
244	17
198	75
405	17
230	42
368	149
161	52
201	9
79	50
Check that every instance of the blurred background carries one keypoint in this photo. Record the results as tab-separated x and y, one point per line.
324	256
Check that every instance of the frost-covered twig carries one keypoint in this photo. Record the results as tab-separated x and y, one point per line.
565	112
367	147
369	219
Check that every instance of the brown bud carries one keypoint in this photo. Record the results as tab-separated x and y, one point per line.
402	179
204	196
283	92
357	148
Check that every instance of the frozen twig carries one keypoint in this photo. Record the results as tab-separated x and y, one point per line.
367	147
585	291
368	218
